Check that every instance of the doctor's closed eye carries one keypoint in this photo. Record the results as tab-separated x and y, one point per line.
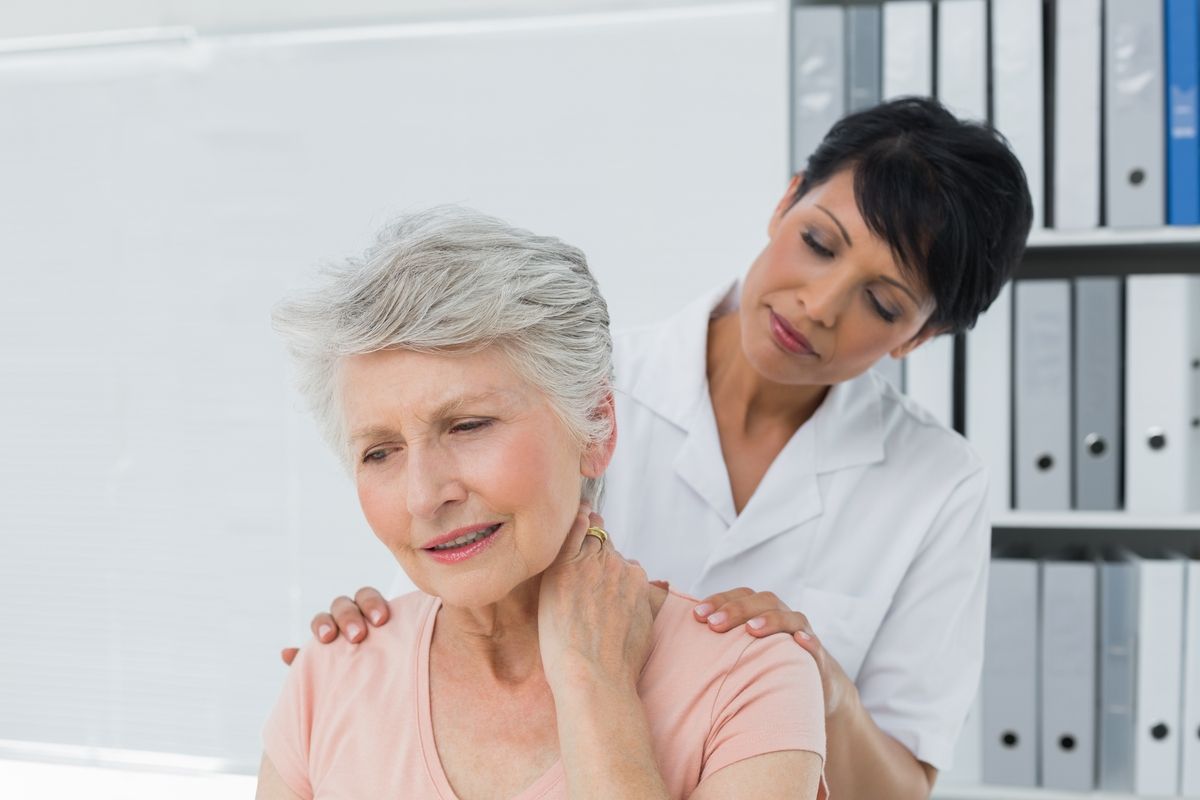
888	315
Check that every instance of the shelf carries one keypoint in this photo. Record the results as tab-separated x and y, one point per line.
1014	793
1111	251
1095	520
1170	236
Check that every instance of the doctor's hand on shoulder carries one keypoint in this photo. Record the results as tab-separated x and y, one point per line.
764	614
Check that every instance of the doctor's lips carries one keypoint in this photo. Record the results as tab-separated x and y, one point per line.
789	338
462	543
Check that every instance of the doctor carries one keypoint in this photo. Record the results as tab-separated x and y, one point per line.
756	447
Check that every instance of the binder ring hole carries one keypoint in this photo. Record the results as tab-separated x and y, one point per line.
1156	438
1095	444
1009	739
1160	731
1196	363
1067	742
1045	462
1137	176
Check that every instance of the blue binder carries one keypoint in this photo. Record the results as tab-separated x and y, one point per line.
1183	145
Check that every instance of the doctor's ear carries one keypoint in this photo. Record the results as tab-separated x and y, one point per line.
922	336
786	202
597	455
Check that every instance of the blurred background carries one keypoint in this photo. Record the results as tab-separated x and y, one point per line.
169	169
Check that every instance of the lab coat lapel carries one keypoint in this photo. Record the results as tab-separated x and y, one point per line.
845	432
787	496
700	463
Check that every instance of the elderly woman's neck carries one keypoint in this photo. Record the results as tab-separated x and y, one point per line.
499	639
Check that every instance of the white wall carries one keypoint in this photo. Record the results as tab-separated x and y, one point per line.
167	516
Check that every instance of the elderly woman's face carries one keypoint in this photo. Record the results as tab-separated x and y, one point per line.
463	469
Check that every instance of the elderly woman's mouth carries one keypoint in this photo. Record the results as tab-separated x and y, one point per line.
463	543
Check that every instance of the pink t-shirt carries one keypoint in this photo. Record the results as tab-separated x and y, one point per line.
354	721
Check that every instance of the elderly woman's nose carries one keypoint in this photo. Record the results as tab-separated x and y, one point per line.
433	481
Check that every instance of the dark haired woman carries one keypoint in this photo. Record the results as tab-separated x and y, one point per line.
756	447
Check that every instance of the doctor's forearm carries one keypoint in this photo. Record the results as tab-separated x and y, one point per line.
864	763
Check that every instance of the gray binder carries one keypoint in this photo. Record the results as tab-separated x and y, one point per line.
1099	337
1068	673
1042	392
818	77
864	45
1010	667
1118	630
1134	181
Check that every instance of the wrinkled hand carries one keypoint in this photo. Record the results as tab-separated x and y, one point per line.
762	614
346	617
594	612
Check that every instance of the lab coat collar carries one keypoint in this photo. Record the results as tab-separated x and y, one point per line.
677	381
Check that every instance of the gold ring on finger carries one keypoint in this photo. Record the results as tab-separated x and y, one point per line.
599	533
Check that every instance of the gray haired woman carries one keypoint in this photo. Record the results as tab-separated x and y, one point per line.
462	370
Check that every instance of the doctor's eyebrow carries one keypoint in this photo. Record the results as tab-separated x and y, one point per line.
837	222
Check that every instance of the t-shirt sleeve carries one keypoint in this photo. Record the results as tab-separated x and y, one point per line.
288	732
921	674
771	700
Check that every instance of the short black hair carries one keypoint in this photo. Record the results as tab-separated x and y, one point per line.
947	195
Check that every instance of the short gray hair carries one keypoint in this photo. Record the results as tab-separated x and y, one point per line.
450	279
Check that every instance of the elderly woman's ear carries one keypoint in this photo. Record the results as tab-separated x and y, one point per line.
596	455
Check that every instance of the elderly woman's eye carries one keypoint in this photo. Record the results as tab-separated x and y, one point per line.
470	425
375	456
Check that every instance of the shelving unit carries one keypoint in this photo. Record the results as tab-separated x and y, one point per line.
1069	254
1014	793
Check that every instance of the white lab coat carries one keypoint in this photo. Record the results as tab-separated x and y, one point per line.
871	521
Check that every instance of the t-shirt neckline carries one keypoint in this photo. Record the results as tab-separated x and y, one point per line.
433	763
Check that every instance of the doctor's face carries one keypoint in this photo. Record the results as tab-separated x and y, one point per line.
463	469
826	298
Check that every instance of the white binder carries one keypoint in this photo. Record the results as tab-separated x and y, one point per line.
1162	394
1010	668
1134	133
1189	756
1017	89
962	57
818	77
1068	675
988	415
907	48
1042	390
1077	73
929	378
1157	706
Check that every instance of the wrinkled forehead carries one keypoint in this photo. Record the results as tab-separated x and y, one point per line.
402	389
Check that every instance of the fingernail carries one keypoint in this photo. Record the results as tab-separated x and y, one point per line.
718	618
704	609
352	631
324	631
377	616
805	635
757	623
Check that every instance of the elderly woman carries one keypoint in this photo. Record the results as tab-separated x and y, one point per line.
462	370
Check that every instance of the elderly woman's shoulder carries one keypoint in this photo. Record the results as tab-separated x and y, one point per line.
680	636
412	616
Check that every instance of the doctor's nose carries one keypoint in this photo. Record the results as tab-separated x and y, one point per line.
824	298
433	482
